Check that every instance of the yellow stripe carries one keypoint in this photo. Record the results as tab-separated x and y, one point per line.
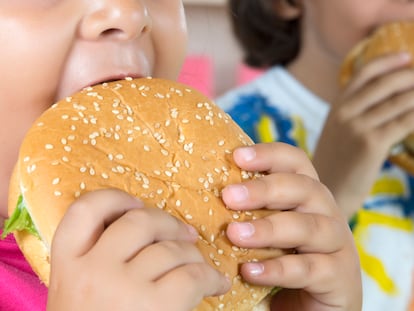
366	218
299	133
388	185
369	263
375	269
265	130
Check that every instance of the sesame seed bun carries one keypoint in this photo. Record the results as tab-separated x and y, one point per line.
158	140
390	38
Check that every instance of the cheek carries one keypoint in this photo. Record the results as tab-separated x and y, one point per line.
33	58
170	47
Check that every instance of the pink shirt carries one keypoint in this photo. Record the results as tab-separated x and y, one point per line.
20	288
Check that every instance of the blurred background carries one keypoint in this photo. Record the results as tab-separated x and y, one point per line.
214	61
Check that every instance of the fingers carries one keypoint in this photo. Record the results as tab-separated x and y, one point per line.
382	89
196	282
87	218
313	272
377	68
170	255
138	228
99	220
274	157
280	191
290	230
108	237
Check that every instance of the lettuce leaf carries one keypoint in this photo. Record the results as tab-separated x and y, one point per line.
20	220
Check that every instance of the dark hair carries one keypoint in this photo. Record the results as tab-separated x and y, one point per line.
266	38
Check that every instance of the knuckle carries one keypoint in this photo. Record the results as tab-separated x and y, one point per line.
170	248
137	216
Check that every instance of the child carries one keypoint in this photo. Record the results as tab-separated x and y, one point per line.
349	133
53	48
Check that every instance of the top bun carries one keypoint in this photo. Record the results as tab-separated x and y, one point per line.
158	140
390	38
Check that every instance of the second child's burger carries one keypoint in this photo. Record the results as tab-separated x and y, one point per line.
390	38
161	141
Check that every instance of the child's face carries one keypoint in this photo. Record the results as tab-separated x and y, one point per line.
333	27
52	48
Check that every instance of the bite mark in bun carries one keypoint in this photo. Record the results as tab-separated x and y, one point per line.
158	140
389	38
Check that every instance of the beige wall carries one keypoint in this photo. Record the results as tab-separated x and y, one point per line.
210	34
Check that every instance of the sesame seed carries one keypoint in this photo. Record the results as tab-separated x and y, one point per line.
49	147
56	181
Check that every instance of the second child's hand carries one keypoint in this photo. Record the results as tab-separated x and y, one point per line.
375	111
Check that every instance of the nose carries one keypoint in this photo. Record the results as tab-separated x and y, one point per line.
116	19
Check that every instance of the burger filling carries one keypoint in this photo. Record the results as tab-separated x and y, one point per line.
20	220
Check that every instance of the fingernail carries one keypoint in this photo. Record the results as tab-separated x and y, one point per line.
247	153
245	230
238	193
255	268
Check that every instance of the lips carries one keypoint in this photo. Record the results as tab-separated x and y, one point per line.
67	89
90	63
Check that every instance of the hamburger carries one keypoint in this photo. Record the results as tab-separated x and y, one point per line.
160	141
389	38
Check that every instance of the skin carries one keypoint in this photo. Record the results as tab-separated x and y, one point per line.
376	105
56	47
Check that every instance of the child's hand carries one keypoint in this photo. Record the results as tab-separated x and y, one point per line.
111	253
324	273
375	111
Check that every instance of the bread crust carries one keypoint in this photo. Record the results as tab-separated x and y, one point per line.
158	140
390	38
